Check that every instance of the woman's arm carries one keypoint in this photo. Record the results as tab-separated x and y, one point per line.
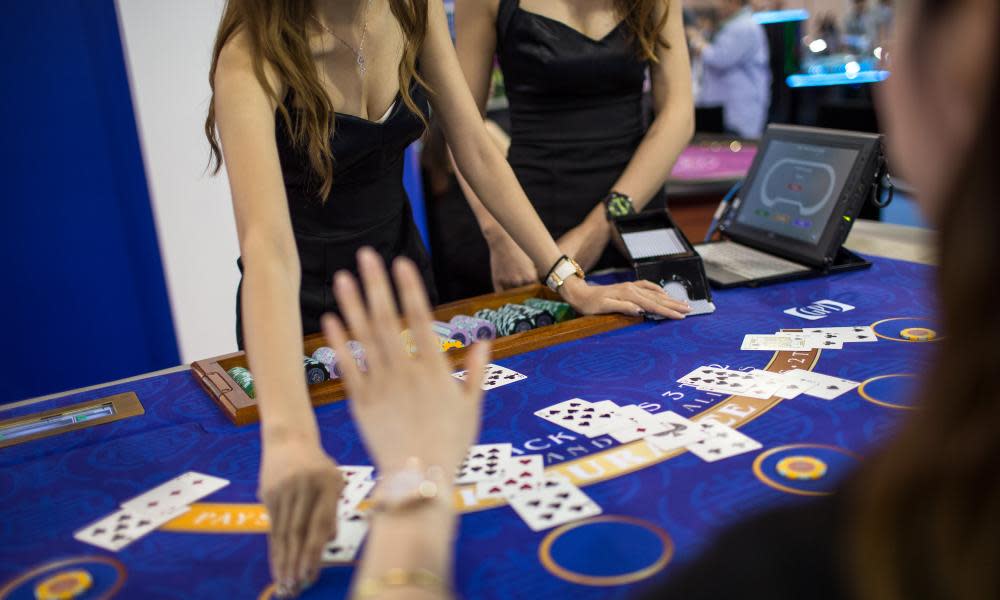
493	181
475	42
666	138
298	482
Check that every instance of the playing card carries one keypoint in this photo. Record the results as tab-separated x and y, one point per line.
640	424
556	502
496	376
353	493
677	432
721	441
520	474
790	385
581	416
124	526
482	463
352	527
179	491
860	333
826	387
773	342
725	381
814	340
356	472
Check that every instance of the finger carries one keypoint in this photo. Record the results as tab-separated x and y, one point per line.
345	287
336	336
277	510
658	294
663	300
381	306
417	309
322	528
614	305
650	306
475	367
298	521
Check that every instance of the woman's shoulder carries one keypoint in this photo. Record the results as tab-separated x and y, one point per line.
235	70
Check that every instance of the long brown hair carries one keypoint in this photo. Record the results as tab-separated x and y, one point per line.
276	30
928	509
644	26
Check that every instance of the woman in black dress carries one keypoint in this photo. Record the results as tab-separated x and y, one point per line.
574	75
315	102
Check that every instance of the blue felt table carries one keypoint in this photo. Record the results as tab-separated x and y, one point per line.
658	510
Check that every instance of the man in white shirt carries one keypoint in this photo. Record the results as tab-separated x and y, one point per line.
736	72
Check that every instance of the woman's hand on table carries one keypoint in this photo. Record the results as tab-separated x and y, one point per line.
634	298
300	487
406	407
510	267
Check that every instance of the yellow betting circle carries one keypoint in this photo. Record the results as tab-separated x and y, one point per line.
788	468
899	339
758	470
545	554
64	585
119	568
864	392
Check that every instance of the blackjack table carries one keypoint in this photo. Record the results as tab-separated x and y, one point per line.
658	510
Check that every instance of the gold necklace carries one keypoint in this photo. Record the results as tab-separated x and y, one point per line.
359	53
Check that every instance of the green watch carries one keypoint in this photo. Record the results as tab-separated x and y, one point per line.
617	205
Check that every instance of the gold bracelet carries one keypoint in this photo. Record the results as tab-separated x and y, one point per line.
399	578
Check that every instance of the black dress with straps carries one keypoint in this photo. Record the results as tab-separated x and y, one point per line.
367	205
576	114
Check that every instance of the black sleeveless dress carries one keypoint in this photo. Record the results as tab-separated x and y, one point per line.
576	110
367	206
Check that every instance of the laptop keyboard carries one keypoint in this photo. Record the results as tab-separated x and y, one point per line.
733	262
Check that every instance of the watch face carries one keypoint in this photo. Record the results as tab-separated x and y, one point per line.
619	206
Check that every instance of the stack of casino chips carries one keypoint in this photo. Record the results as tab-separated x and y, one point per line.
450	331
244	379
316	371
477	329
560	311
538	317
508	321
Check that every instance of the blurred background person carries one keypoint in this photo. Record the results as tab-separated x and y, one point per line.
735	68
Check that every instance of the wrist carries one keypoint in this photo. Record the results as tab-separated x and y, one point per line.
571	289
283	432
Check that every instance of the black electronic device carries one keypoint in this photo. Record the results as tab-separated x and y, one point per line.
659	252
796	207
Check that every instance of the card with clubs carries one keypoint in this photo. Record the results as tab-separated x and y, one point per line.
773	342
678	432
520	474
482	463
124	526
826	387
580	416
641	424
725	381
814	340
352	527
721	442
495	376
789	384
555	503
860	333
179	491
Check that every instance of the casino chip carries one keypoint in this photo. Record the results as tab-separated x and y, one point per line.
918	334
244	379
801	468
64	585
315	371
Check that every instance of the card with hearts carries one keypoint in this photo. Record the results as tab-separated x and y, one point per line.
555	503
182	490
124	526
521	474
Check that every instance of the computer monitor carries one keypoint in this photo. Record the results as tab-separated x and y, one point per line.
803	192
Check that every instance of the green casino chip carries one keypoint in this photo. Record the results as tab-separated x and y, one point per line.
560	311
244	379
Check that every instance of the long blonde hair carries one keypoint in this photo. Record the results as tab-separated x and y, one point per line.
276	30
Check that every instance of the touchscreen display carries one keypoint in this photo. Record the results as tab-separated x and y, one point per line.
796	189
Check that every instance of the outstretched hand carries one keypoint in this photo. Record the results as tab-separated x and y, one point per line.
406	407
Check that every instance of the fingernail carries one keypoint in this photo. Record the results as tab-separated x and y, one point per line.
282	590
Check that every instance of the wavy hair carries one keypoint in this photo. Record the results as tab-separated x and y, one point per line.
276	30
644	27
